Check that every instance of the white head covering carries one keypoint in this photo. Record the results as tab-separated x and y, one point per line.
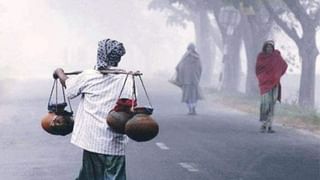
191	47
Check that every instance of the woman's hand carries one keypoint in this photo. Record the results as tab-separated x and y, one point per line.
59	74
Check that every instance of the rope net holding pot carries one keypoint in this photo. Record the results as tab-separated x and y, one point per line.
128	118
58	121
122	112
141	127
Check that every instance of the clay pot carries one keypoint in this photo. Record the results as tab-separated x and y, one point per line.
143	110
142	127
118	120
57	124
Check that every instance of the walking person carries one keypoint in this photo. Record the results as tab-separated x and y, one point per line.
270	67
188	74
103	149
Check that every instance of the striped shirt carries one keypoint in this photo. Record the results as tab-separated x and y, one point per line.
99	94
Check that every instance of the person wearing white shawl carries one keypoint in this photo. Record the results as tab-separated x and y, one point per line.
188	74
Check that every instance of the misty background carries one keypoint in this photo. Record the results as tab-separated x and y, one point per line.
37	36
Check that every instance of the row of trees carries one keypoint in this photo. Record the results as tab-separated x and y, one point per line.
250	22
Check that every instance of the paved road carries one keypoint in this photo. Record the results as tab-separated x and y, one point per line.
217	144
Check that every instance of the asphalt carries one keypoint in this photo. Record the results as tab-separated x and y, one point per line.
217	144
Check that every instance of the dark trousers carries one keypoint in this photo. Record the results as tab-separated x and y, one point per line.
97	166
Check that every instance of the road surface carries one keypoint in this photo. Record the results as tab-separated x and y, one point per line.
218	144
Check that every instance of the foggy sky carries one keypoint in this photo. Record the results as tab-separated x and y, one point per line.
37	36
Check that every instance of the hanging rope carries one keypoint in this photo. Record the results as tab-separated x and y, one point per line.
64	99
134	89
145	90
51	93
51	104
134	95
56	94
124	83
64	96
71	111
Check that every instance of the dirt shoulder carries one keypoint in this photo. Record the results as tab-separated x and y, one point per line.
285	114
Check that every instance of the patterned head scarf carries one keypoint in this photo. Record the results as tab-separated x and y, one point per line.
109	53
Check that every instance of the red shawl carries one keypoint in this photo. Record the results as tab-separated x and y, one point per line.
269	69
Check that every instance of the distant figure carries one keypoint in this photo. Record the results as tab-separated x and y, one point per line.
270	67
188	73
103	148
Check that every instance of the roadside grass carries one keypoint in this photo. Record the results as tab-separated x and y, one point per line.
290	115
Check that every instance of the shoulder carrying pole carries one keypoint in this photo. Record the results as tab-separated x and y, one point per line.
116	71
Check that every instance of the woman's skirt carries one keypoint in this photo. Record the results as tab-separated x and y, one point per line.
191	93
268	101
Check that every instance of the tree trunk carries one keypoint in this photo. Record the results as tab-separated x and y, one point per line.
254	36
202	26
251	52
231	60
309	52
251	79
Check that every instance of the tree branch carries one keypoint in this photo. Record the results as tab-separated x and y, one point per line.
297	9
317	16
300	13
291	32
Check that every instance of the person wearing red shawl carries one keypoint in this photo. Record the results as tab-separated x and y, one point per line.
270	67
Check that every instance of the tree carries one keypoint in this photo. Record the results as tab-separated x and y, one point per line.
181	11
258	26
231	42
231	45
301	15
